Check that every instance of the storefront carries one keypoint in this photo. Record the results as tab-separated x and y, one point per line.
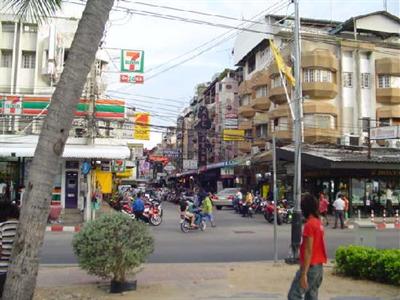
369	183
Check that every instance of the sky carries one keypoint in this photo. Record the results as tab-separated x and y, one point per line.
165	43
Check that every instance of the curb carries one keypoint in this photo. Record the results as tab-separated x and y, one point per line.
62	228
381	226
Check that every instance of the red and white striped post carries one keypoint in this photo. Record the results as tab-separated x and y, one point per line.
372	216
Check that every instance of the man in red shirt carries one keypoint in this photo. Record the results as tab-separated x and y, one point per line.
312	253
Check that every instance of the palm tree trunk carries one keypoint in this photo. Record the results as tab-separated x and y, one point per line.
22	272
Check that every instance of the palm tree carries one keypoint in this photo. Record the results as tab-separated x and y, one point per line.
23	269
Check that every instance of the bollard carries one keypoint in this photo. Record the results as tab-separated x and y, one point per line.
397	221
372	216
384	216
359	215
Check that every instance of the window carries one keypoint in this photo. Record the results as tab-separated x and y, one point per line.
317	75
348	79
28	60
251	64
30	28
365	80
388	81
7	26
244	100
6	59
276	82
261	91
261	131
384	122
248	134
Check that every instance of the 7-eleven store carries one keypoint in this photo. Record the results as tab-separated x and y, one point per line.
19	129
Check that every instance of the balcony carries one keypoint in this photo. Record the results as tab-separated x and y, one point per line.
259	78
245	125
388	95
245	88
320	90
318	107
319	58
280	111
260	142
277	95
389	66
321	135
284	136
244	147
261	103
246	111
388	112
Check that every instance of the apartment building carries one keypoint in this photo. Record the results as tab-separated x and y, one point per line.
32	58
350	75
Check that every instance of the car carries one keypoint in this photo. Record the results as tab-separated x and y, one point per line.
224	197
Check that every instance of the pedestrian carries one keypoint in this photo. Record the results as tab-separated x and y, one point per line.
138	207
207	209
308	278
248	201
323	208
339	206
346	209
8	229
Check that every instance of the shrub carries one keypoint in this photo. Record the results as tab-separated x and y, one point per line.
369	263
112	245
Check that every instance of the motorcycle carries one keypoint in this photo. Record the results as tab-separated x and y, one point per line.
268	212
287	215
199	221
257	205
151	213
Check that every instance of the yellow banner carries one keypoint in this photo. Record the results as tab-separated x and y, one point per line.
104	181
233	135
286	70
142	126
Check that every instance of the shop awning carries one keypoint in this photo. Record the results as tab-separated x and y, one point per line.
262	157
70	151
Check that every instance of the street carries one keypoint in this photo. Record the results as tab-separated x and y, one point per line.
235	239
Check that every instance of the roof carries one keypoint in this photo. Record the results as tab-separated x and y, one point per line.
349	24
307	21
333	155
25	146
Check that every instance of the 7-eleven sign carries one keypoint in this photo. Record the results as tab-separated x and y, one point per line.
132	61
13	106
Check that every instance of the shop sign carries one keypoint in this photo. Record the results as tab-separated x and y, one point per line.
142	126
131	78
204	125
118	166
174	153
105	166
169	168
233	135
189	164
132	61
385	132
13	107
227	172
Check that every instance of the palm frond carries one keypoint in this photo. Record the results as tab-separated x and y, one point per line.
35	10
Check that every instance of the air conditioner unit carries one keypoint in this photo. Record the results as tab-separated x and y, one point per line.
354	140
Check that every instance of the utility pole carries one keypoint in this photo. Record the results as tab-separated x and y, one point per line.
298	112
275	198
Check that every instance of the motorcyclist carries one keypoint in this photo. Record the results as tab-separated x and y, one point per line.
186	213
138	207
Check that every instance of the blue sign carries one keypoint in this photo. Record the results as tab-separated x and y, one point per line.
86	167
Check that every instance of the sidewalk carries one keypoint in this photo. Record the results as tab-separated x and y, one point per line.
256	280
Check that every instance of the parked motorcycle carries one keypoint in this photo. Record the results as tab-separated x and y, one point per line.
268	212
287	215
151	213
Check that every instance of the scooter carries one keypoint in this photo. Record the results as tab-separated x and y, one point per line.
151	213
269	208
199	221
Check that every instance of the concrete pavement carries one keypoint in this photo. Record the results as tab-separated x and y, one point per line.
255	280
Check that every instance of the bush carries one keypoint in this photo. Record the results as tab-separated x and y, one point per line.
369	263
112	245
